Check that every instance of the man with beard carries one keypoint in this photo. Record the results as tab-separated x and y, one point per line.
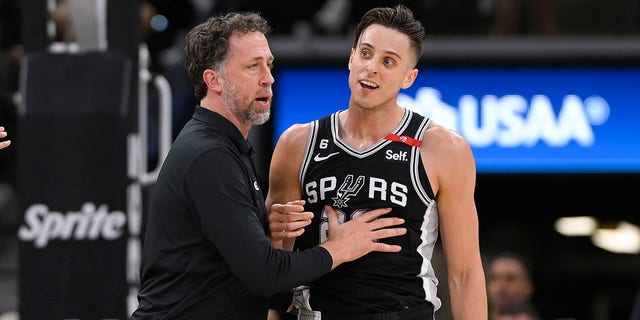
207	252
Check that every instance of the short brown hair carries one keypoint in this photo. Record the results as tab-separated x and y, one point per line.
399	18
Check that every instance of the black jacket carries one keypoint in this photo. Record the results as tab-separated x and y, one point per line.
206	254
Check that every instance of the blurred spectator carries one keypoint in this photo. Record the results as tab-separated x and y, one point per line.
513	17
519	311
509	282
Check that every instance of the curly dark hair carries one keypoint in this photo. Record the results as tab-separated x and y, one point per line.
207	44
399	18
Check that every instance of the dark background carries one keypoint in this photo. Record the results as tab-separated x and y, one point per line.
573	278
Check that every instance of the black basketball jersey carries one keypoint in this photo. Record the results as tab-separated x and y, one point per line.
390	173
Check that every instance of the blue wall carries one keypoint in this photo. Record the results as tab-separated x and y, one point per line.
517	120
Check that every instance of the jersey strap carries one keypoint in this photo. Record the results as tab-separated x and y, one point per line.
408	140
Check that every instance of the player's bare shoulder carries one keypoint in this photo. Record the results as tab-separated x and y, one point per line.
296	135
443	138
290	147
445	151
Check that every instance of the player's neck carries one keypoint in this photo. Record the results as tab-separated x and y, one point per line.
361	128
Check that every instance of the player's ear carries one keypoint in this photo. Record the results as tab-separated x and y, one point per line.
409	78
353	51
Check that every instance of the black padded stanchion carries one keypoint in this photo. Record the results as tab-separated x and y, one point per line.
72	182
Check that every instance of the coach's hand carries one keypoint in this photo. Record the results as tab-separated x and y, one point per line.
353	239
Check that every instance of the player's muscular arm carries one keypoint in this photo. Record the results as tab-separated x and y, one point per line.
284	185
452	169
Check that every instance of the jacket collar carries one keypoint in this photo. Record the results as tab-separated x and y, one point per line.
222	124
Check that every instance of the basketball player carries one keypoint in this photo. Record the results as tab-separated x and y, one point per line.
379	154
3	134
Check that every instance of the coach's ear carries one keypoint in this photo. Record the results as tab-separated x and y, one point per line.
213	80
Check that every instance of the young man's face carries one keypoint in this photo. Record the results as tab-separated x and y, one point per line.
381	65
247	78
508	282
